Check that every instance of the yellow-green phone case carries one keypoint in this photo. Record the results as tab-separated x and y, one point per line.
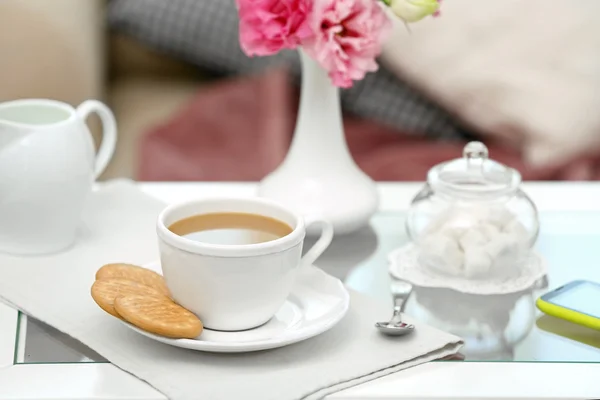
568	314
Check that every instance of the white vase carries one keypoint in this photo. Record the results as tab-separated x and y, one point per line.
319	178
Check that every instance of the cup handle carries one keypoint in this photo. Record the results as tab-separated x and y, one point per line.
322	244
109	132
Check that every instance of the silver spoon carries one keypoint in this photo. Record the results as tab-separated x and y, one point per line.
395	327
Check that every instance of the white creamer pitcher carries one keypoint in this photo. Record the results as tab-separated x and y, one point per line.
47	167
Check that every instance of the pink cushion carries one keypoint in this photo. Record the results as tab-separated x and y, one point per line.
234	130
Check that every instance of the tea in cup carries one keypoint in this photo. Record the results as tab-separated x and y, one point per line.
233	261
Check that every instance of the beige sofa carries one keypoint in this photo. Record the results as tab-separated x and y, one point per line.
61	49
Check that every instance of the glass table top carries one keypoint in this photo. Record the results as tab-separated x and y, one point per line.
495	328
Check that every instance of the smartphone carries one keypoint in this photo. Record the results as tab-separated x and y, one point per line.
577	302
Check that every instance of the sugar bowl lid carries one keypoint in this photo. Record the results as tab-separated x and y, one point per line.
474	175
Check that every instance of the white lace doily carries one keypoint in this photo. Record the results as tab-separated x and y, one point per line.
404	265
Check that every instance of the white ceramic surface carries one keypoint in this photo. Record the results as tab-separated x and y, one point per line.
559	200
317	302
47	168
234	287
319	178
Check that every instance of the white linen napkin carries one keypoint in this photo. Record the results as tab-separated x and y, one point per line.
120	227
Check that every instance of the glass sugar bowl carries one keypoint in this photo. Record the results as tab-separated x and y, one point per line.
472	220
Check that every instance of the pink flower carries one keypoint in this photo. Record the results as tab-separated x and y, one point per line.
267	26
348	38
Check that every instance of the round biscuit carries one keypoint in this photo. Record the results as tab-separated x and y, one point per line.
160	316
105	291
134	273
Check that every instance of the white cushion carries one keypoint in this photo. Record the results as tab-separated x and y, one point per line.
523	70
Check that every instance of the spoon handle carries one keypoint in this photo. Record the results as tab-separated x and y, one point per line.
400	292
397	317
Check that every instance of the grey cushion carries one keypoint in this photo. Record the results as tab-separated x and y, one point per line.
205	33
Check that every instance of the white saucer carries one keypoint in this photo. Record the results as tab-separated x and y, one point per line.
318	302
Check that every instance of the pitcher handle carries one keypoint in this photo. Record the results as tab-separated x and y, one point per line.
322	244
109	132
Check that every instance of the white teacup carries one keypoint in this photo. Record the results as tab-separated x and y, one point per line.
234	287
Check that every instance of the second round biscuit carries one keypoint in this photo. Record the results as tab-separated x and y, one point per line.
158	315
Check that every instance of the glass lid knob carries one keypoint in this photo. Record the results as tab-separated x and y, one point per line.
475	150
